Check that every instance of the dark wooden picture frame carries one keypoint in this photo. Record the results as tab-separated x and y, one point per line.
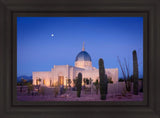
9	10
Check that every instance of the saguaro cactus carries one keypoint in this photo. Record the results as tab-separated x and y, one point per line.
103	84
106	81
135	73
79	84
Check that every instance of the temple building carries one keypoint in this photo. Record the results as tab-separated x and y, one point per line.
60	73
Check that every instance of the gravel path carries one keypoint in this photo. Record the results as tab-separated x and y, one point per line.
71	96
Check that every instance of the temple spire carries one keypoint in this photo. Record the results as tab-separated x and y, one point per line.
83	49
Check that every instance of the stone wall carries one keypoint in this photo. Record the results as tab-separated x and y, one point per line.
43	76
71	72
118	87
113	73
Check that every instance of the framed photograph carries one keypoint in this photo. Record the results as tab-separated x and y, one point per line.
79	59
61	82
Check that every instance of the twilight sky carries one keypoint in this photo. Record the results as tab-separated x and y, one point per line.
104	37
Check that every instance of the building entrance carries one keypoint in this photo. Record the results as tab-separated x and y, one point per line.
60	80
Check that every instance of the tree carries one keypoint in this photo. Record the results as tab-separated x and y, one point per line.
22	83
30	87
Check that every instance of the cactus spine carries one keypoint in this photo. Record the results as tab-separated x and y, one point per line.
135	73
79	84
103	80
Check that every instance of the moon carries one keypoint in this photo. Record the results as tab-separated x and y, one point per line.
52	35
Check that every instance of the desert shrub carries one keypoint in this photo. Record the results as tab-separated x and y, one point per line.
42	90
62	90
87	81
30	88
56	90
69	81
121	80
75	81
109	80
96	83
124	92
18	84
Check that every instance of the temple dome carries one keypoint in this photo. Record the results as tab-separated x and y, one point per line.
83	60
83	56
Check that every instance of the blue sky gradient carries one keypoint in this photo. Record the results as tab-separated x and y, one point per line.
104	37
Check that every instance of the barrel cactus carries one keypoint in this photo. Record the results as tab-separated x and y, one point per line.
79	84
103	77
135	73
